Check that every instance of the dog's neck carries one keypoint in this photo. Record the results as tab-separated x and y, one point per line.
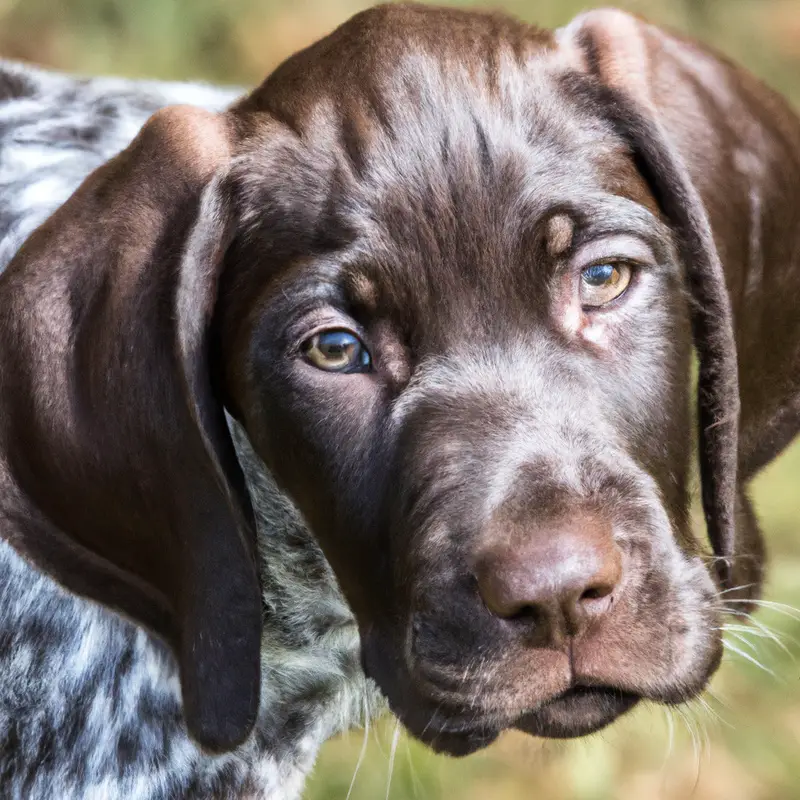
87	699
310	644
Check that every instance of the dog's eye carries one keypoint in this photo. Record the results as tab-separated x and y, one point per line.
337	351
602	283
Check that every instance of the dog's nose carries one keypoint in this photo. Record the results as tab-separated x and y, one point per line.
557	578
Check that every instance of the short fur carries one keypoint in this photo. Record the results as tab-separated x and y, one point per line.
434	181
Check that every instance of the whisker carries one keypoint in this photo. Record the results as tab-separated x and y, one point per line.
392	753
716	717
762	626
737	588
716	697
738	636
761	631
734	612
706	741
433	717
732	647
415	782
670	735
698	710
776	637
688	724
466	674
476	692
728	559
361	754
781	608
663	773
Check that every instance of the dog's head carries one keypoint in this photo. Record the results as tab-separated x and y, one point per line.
448	271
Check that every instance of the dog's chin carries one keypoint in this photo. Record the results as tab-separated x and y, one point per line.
453	732
577	712
459	742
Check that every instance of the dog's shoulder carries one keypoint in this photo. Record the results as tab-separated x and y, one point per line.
81	688
90	702
90	707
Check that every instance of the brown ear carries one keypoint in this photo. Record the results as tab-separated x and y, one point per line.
610	48
117	471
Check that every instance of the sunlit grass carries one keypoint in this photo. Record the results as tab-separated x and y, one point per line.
240	41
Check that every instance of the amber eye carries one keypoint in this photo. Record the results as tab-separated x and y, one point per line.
602	283
337	351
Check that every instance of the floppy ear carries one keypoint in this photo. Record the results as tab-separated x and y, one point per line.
117	472
612	51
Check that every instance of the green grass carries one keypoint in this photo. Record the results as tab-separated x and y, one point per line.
242	40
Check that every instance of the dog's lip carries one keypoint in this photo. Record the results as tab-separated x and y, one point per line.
444	720
568	716
578	711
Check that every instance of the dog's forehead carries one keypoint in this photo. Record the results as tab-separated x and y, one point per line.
400	71
362	56
440	142
401	93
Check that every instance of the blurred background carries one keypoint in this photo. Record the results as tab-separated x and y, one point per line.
742	741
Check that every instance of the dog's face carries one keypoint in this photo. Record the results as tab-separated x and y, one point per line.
449	277
463	347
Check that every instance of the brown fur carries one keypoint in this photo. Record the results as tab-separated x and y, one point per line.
428	178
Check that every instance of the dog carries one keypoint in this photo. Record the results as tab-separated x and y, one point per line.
445	273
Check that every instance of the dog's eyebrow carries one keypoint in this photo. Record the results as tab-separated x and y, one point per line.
362	290
558	234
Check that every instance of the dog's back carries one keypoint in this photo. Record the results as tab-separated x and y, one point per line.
55	129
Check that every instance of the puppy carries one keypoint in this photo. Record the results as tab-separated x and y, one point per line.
447	271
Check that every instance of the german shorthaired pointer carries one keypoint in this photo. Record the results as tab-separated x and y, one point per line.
445	273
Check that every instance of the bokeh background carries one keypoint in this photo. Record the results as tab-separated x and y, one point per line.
742	742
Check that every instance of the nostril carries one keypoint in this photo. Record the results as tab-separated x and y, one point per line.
506	597
593	602
596	593
526	614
